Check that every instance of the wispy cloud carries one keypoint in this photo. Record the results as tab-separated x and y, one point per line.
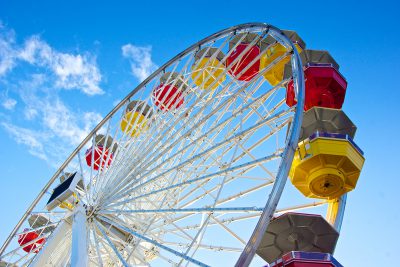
27	137
30	113
7	53
71	71
59	133
9	103
52	128
140	58
35	73
58	130
68	71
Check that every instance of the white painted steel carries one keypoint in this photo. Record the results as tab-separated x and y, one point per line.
79	251
190	189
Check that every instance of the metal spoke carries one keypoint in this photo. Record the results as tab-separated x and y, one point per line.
203	157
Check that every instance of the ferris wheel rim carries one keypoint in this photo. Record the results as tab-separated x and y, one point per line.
291	143
116	108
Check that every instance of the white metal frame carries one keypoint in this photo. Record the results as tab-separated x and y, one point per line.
169	187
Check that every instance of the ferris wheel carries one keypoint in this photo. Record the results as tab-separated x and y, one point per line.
191	168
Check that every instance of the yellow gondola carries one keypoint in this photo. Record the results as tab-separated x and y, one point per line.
275	50
326	166
208	70
136	118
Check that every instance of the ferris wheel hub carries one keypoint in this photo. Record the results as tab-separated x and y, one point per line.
90	211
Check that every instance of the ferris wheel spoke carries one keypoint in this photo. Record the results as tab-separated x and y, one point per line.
179	233
219	202
13	252
160	134
235	94
229	180
226	199
198	197
205	247
103	162
200	234
168	260
264	139
96	245
110	243
205	177
41	230
181	72
26	263
236	210
229	220
188	210
112	258
300	207
228	230
152	221
216	127
136	234
206	157
139	256
86	194
28	257
223	221
206	152
244	193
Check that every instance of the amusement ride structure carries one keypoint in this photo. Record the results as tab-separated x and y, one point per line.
192	167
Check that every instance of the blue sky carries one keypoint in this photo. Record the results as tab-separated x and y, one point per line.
46	105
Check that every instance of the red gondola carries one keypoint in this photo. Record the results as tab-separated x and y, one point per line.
306	259
169	94
167	97
247	55
97	157
325	87
29	236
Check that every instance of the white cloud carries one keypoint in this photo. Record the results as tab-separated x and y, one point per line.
68	126
51	129
30	113
58	130
9	103
27	137
7	53
140	58
69	71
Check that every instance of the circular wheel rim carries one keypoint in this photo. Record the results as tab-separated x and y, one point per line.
268	210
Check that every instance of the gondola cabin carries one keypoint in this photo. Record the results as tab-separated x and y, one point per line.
208	70
97	156
243	61
324	84
136	119
306	259
326	165
30	241
101	153
296	232
277	56
169	94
